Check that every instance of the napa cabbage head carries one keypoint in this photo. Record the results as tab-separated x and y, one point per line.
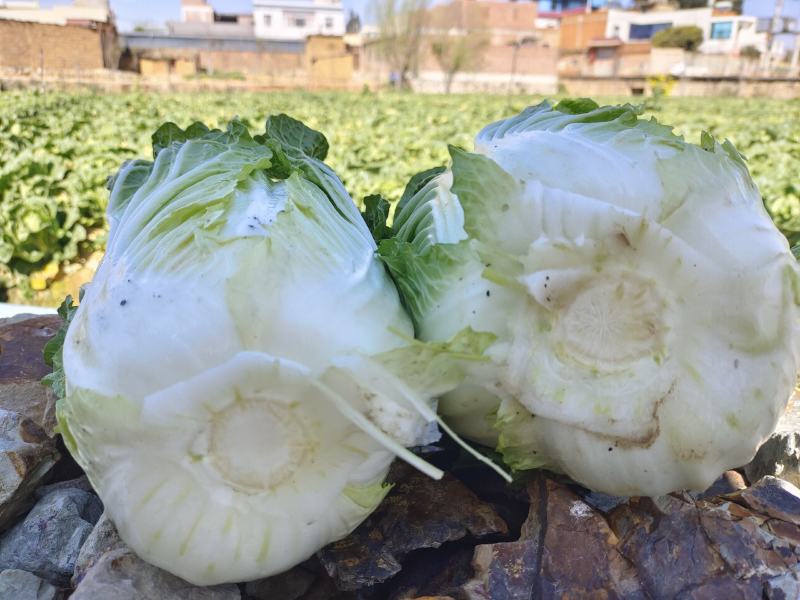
644	306
234	378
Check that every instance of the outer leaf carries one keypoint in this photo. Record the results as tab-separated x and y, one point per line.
376	212
294	135
54	349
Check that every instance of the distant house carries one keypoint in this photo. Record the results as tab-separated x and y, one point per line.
72	37
295	20
198	18
723	33
80	12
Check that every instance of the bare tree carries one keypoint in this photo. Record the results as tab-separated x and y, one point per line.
401	24
458	51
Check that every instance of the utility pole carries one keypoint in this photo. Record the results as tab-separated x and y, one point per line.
776	15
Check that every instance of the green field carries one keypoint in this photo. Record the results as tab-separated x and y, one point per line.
57	150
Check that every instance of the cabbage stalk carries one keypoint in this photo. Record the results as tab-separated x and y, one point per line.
643	306
240	373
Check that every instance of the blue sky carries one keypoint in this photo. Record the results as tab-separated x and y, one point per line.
132	12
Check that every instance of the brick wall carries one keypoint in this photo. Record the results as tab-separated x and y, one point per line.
328	63
26	45
530	60
471	14
247	63
577	31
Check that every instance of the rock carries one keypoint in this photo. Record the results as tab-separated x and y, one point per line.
783	587
291	585
772	496
742	545
21	585
47	542
603	502
418	513
79	483
26	455
779	456
433	572
102	539
22	367
728	482
121	575
566	550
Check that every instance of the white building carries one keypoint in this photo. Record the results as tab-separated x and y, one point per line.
722	33
297	19
59	14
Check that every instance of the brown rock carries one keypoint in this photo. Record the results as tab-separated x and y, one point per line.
418	513
567	550
741	546
22	367
27	453
772	496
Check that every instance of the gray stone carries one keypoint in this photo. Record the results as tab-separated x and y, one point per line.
121	575
783	587
779	456
48	540
21	585
26	456
79	483
104	538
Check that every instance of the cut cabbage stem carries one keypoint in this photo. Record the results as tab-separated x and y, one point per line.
427	413
430	415
379	436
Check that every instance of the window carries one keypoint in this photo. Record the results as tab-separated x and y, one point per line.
299	22
328	22
645	32
267	20
721	30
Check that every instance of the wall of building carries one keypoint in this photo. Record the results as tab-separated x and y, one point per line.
328	62
620	22
741	30
721	86
58	14
500	17
224	61
742	33
297	20
579	30
56	47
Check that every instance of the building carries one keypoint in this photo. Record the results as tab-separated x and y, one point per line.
80	12
723	32
295	20
62	38
199	19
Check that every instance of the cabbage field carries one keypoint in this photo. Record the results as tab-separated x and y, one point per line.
58	149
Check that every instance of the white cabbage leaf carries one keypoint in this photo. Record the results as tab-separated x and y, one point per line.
644	306
238	376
